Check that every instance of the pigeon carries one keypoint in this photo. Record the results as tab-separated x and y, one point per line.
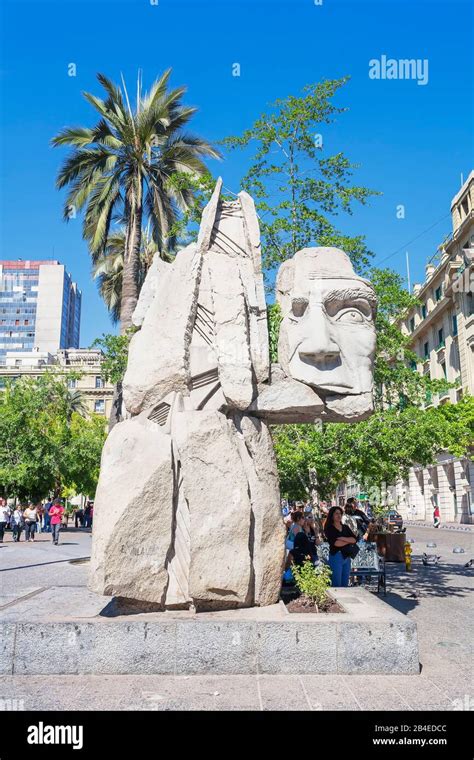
470	563
430	559
414	595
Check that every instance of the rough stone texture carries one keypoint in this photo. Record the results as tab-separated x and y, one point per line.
360	644
302	648
268	532
215	490
216	647
287	400
159	353
7	641
231	337
154	280
133	512
327	332
368	638
187	509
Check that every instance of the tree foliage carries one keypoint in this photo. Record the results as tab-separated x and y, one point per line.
122	169
45	443
298	187
115	351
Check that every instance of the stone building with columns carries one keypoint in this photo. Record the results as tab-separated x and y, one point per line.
441	332
84	365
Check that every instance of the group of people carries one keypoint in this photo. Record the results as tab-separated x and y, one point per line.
342	528
31	519
37	518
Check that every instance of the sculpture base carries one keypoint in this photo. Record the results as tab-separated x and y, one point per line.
369	637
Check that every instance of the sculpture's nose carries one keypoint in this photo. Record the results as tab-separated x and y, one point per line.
317	344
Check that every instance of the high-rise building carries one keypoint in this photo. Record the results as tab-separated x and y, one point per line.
40	307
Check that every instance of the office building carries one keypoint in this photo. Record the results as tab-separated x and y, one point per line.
40	307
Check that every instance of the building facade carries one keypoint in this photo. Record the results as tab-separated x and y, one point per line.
40	307
441	332
84	363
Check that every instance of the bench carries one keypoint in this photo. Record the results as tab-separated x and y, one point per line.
367	565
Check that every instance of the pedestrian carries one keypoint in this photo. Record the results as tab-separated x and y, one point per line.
339	537
30	516
55	513
356	519
311	531
296	527
4	518
47	519
436	517
88	515
17	523
79	518
40	512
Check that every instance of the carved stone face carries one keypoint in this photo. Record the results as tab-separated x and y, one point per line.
327	335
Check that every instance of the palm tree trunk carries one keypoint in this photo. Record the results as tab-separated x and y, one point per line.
131	266
129	289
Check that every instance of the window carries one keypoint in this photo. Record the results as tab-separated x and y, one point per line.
470	303
412	324
455	324
438	293
71	383
423	311
443	367
426	350
413	364
99	383
99	406
440	338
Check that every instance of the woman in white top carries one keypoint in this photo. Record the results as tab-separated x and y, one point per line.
30	515
17	523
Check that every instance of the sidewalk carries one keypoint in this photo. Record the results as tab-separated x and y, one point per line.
443	526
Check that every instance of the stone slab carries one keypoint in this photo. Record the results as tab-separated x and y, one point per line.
370	637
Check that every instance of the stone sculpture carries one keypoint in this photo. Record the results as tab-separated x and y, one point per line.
187	510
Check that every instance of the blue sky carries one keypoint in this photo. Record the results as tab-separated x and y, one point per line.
412	141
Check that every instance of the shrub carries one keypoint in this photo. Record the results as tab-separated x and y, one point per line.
312	581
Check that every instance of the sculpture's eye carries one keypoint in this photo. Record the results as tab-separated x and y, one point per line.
354	313
350	315
299	306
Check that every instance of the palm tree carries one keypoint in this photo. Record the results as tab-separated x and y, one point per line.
129	166
75	403
108	269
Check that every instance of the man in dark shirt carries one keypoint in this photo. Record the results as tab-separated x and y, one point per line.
360	518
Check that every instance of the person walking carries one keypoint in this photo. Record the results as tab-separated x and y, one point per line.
47	519
339	537
4	518
30	516
40	513
88	515
55	513
17	523
436	517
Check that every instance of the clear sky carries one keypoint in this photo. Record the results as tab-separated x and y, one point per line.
413	141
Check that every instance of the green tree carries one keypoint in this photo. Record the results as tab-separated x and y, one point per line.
44	440
108	269
115	350
123	168
297	186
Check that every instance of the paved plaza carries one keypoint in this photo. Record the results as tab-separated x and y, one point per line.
39	576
